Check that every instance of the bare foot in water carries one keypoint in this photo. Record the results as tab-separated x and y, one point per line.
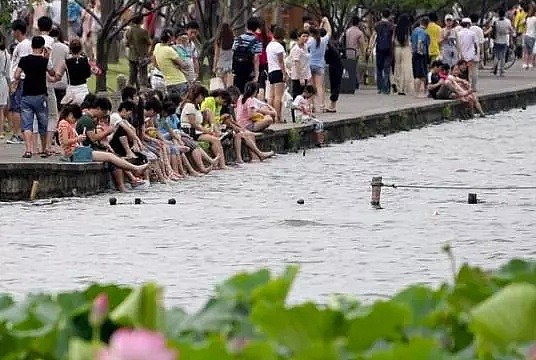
267	155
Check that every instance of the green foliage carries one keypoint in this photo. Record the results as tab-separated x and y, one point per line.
482	315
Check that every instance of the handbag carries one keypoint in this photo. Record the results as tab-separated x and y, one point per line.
83	154
216	83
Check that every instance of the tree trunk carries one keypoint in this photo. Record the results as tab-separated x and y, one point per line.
65	18
103	47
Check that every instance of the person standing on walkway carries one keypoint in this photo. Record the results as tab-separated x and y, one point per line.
277	73
264	37
382	38
336	69
23	48
520	27
504	32
477	30
91	29
529	39
449	42
44	24
300	69
468	45
434	32
59	54
170	64
403	75
246	52
192	30
34	93
354	43
317	45
78	70
5	65
420	42
138	43
223	54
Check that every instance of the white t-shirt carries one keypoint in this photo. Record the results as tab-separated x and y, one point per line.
468	43
55	11
273	51
190	109
531	27
24	48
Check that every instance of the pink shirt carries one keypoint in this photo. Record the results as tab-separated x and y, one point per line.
244	111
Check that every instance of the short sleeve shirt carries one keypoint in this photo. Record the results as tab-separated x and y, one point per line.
165	56
210	104
190	109
35	67
86	123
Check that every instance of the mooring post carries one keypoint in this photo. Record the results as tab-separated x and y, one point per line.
376	191
35	189
472	199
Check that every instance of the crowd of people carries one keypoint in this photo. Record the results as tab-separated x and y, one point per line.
169	125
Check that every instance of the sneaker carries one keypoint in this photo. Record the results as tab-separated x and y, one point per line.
531	66
2	136
21	140
524	67
13	140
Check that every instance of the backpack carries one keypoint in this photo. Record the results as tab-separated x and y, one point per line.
384	37
242	55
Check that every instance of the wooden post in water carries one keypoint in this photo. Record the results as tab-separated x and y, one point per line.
472	199
35	189
376	192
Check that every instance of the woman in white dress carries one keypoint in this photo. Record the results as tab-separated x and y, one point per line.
223	55
5	65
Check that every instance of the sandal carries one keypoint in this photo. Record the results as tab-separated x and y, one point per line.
27	155
45	154
328	110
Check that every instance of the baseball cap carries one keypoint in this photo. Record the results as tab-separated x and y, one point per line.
466	20
449	17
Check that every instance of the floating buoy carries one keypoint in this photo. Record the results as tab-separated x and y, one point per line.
113	201
172	201
301	201
137	201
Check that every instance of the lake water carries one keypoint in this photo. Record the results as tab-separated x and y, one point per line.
248	218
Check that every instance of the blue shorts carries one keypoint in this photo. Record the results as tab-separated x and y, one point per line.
34	107
317	70
15	99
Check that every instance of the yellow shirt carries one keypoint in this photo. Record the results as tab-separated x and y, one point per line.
165	55
210	104
520	21
434	31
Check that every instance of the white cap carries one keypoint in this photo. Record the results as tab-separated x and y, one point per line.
449	17
466	20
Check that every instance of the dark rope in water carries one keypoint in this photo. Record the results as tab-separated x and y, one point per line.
446	187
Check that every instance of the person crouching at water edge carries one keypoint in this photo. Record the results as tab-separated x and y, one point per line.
83	147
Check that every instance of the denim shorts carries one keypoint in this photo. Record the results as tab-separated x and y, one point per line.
16	99
34	107
317	70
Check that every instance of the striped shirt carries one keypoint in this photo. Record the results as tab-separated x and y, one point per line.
250	41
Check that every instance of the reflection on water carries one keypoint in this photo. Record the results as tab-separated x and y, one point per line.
249	218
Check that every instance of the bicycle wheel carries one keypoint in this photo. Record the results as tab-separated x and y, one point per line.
510	57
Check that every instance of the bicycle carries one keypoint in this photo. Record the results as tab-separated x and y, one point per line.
488	56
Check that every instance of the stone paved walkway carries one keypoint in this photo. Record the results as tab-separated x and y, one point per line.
364	102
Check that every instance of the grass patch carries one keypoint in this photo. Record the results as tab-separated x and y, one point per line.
113	70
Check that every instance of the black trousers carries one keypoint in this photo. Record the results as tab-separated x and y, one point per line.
335	80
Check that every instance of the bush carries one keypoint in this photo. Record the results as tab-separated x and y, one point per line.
482	315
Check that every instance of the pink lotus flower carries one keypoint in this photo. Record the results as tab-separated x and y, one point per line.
129	344
99	310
